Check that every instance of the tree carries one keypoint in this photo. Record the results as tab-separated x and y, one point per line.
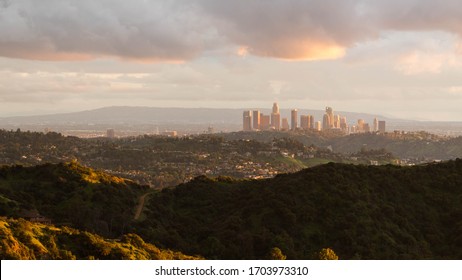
276	254
327	254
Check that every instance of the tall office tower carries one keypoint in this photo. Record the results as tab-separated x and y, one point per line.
330	113
275	117
360	126
376	124
276	121
110	133
317	126
381	126
285	124
343	124
264	122
275	108
293	119
325	122
337	121
312	122
366	128
305	122
256	120
247	120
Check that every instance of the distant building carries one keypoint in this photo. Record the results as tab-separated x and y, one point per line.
336	121
376	124
247	121
285	124
264	122
293	119
343	124
381	126
170	133
34	216
330	113
326	122
305	121
276	121
360	126
275	117
353	129
366	128
318	125
275	108
110	133
256	120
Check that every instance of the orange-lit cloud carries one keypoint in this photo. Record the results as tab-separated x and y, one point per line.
301	50
176	31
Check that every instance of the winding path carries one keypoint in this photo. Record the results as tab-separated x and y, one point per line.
140	206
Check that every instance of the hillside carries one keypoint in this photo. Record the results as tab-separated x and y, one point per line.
70	194
361	212
409	145
416	146
20	239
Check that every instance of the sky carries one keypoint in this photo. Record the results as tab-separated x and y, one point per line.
398	58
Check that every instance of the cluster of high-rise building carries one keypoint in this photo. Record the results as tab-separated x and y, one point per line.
257	121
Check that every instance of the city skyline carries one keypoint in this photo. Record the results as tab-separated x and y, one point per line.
401	59
255	120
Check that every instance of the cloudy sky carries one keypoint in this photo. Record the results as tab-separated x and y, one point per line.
400	58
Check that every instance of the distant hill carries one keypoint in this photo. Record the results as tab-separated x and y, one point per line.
25	240
149	115
361	212
193	120
421	145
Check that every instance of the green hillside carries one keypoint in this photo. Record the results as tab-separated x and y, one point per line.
361	212
20	239
70	194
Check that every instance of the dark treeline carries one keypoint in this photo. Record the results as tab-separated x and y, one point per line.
361	212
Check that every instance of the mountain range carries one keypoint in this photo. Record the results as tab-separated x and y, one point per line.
193	120
145	115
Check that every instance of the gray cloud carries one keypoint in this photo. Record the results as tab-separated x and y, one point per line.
74	30
174	30
291	29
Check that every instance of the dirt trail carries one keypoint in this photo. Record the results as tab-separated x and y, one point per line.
140	206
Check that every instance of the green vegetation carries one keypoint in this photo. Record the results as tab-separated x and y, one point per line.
20	239
327	254
401	144
360	212
161	161
276	254
70	194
